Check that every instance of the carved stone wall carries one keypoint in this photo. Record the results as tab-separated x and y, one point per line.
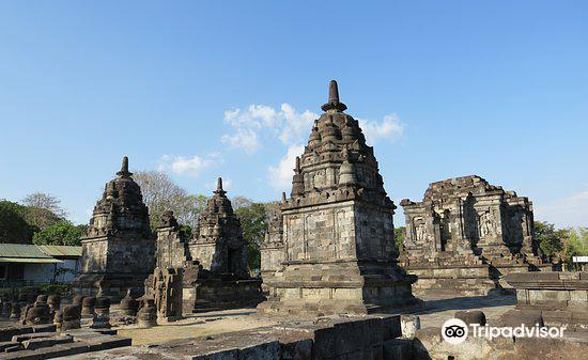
334	251
172	251
465	222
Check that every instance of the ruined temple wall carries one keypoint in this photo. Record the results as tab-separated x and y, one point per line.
94	255
272	259
204	253
375	233
327	232
130	256
171	250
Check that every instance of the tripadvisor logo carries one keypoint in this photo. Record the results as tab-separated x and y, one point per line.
455	331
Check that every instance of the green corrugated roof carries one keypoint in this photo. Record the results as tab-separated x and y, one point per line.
21	250
24	253
29	260
61	250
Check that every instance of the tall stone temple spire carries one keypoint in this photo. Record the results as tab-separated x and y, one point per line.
338	220
118	251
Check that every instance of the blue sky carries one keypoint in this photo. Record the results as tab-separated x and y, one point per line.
202	89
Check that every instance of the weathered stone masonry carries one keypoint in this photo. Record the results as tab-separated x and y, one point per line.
336	253
466	234
118	251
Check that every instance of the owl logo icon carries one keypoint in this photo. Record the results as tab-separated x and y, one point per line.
454	331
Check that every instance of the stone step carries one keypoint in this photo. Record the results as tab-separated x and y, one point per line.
34	344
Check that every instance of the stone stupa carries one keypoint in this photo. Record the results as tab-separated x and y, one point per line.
334	250
119	248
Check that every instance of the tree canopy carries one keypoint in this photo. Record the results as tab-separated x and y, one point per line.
62	233
13	226
161	194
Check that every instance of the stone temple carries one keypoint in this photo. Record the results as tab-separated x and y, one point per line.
466	234
118	251
334	250
214	261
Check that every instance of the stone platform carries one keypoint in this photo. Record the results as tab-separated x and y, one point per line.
43	342
557	298
325	338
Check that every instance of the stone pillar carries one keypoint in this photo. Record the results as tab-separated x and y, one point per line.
168	294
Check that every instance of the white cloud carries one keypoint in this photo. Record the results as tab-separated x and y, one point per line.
280	176
295	125
244	138
390	128
569	211
286	124
181	165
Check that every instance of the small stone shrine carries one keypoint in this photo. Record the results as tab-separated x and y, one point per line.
337	252
214	261
465	235
118	251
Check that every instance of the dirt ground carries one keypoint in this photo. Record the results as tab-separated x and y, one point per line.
204	324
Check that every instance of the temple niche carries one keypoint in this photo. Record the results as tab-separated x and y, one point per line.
331	247
214	260
118	250
466	234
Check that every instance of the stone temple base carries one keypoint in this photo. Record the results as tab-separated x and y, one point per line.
557	298
324	289
113	286
220	294
475	280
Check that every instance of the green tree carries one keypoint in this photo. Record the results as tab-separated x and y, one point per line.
254	223
550	239
62	233
577	244
13	226
399	236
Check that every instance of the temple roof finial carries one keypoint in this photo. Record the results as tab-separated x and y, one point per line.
333	103
124	170
219	186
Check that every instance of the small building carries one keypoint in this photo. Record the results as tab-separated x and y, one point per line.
26	264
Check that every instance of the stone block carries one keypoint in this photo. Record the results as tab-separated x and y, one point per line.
232	354
296	350
325	343
34	344
472	317
264	351
6	334
8	344
397	349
